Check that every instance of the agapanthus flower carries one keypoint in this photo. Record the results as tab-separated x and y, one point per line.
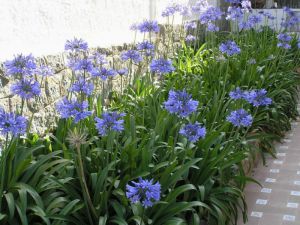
145	192
190	25
122	72
292	19
190	38
240	118
73	109
268	15
284	40
103	73
148	26
258	98
81	65
234	13
44	71
133	55
230	48
110	121
26	88
147	47
245	25
211	14
20	65
98	59
237	94
255	19
76	45
212	27
298	43
200	5
180	103
13	124
193	131
171	9
82	85
161	66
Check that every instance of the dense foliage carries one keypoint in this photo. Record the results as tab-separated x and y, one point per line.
167	149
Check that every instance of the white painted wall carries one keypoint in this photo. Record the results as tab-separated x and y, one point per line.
42	26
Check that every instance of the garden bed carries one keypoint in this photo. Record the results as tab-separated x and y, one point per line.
167	148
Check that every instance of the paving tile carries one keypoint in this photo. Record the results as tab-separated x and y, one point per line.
277	202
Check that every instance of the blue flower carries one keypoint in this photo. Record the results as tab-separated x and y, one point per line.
245	25
284	40
103	73
11	123
237	94
81	85
230	48
255	19
180	103
212	27
298	43
145	191
258	98
240	118
193	131
211	14
246	5
81	65
190	38
148	26
234	13
161	66
292	18
171	10
99	59
26	88
190	25
45	71
111	121
147	47
21	65
73	109
122	72
131	55
76	45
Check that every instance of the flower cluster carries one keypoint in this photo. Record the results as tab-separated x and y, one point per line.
45	71
81	65
180	103
258	97
237	94
200	5
147	26
20	66
284	40
144	191
147	47
11	123
76	45
190	38
111	121
133	55
103	73
26	88
190	25
292	19
230	48
193	132
161	66
82	86
211	14
174	8
240	118
122	72
73	109
234	13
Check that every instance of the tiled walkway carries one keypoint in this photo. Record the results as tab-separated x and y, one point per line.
278	202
